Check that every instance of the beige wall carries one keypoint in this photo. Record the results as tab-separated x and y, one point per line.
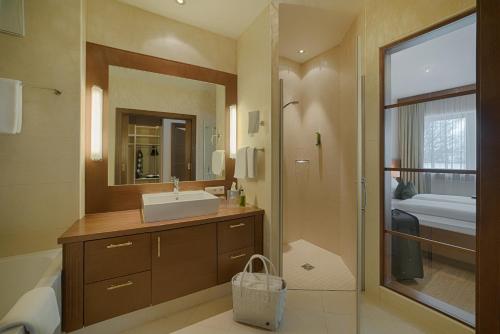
320	197
254	51
387	21
40	177
115	24
142	90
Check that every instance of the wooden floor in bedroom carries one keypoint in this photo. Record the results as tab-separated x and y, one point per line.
446	281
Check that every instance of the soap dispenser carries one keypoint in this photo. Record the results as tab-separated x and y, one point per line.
233	195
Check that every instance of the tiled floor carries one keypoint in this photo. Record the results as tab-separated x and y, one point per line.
329	273
377	320
306	312
311	312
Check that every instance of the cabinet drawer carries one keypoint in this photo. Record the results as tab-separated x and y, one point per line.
232	263
110	298
235	234
114	257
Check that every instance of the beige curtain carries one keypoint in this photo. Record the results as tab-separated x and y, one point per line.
411	139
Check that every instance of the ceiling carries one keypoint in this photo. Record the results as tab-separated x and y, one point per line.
229	18
314	26
442	62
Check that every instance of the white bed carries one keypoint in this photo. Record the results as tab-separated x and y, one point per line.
446	212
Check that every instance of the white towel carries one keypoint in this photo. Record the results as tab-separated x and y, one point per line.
11	98
218	162
240	168
36	310
251	168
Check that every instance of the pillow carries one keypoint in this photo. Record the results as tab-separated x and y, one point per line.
405	191
408	191
394	186
397	192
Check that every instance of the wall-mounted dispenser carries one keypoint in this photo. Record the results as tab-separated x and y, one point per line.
12	17
253	121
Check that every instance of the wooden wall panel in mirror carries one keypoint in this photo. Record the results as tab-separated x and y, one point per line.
161	119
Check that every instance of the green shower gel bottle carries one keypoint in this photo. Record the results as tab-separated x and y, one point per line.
243	198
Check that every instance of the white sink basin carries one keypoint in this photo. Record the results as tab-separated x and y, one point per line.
168	205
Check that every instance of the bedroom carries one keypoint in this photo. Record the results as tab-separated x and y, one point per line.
429	173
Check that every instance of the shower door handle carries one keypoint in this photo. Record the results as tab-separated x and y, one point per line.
364	199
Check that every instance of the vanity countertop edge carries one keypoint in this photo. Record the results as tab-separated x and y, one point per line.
120	223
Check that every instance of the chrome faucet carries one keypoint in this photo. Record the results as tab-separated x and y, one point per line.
176	180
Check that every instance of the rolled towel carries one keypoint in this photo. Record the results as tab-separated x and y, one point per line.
36	310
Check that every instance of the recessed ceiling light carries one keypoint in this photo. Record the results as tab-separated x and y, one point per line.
301	51
181	2
427	69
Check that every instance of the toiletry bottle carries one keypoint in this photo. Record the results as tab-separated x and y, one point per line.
243	198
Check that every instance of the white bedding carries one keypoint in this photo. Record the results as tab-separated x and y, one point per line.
456	211
452	213
446	198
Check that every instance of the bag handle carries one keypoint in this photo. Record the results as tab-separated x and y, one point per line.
249	269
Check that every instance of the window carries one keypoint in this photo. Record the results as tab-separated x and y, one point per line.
449	141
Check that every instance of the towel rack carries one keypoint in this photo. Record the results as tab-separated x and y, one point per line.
261	149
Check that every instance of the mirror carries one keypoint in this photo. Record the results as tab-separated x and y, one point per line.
163	126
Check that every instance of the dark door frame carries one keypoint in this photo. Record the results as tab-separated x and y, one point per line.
488	184
384	261
189	148
488	180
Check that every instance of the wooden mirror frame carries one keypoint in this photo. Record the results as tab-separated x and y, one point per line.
101	197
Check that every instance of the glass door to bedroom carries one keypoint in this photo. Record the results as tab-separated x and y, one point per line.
428	225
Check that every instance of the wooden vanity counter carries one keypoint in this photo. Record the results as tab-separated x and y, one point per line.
120	223
114	263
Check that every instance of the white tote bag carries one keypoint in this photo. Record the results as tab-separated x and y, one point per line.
258	298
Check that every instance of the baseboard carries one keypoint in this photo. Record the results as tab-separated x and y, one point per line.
140	317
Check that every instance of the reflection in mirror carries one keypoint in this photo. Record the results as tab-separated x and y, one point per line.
161	126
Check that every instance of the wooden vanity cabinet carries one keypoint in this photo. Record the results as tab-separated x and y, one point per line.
114	264
184	261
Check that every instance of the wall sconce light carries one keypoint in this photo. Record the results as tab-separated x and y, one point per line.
96	124
233	124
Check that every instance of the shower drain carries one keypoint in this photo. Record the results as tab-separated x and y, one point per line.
307	266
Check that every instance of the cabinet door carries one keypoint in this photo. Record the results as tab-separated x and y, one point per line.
184	261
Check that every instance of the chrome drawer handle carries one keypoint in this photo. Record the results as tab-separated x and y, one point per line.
117	286
237	256
237	225
125	244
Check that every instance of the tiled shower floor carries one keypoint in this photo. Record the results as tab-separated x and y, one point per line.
328	273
